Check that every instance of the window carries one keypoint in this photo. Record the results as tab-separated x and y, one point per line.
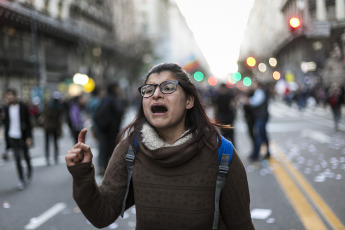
330	8
312	8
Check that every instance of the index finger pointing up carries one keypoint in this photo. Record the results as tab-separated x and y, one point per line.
81	136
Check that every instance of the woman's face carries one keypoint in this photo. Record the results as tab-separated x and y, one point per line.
166	112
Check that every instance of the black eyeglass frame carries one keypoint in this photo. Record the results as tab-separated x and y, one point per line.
176	82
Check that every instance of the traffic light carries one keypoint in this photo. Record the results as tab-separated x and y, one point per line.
295	24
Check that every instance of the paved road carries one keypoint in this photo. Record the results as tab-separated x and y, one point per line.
301	186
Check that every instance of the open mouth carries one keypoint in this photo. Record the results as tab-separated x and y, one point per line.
158	109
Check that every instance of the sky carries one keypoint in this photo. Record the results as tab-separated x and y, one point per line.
218	27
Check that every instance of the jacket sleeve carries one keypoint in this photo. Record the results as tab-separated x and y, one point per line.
101	205
26	121
235	198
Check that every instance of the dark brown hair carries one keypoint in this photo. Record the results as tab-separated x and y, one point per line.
197	121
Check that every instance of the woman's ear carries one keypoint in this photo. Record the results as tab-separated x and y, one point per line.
190	102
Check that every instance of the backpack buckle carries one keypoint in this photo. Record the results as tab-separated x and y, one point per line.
130	158
223	170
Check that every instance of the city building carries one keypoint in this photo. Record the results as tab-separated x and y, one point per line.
45	43
312	53
173	41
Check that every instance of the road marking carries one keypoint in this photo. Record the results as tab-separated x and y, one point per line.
46	216
308	216
306	213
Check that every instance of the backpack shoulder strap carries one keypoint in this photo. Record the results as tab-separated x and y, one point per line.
130	157
225	152
226	147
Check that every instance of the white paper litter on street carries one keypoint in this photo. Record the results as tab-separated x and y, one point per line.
261	214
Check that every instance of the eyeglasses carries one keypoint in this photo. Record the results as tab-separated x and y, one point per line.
166	87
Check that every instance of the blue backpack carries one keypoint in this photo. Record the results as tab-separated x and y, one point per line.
225	152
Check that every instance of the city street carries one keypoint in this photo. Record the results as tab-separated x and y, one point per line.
300	187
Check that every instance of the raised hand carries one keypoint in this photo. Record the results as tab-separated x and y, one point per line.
80	153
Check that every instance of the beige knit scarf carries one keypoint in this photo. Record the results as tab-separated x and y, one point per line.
152	141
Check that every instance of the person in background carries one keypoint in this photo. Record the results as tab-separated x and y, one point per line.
108	118
18	132
335	102
176	164
259	103
52	124
225	112
4	154
92	105
76	114
249	117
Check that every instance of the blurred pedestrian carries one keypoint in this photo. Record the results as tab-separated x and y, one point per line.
52	124
335	102
249	117
259	103
175	169
18	131
92	105
77	114
225	110
108	117
4	154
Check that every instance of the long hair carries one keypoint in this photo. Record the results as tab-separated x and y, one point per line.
197	121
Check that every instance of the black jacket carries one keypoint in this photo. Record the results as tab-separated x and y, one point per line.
25	123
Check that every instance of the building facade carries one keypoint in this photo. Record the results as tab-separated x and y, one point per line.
312	54
44	43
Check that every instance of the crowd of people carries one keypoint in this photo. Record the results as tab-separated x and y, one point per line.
330	95
17	122
105	108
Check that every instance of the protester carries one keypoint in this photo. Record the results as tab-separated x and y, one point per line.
18	132
52	124
225	112
176	164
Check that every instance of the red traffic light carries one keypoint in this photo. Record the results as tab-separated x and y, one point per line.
294	22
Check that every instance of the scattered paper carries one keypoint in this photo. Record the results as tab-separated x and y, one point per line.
320	178
270	220
113	226
260	214
5	204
